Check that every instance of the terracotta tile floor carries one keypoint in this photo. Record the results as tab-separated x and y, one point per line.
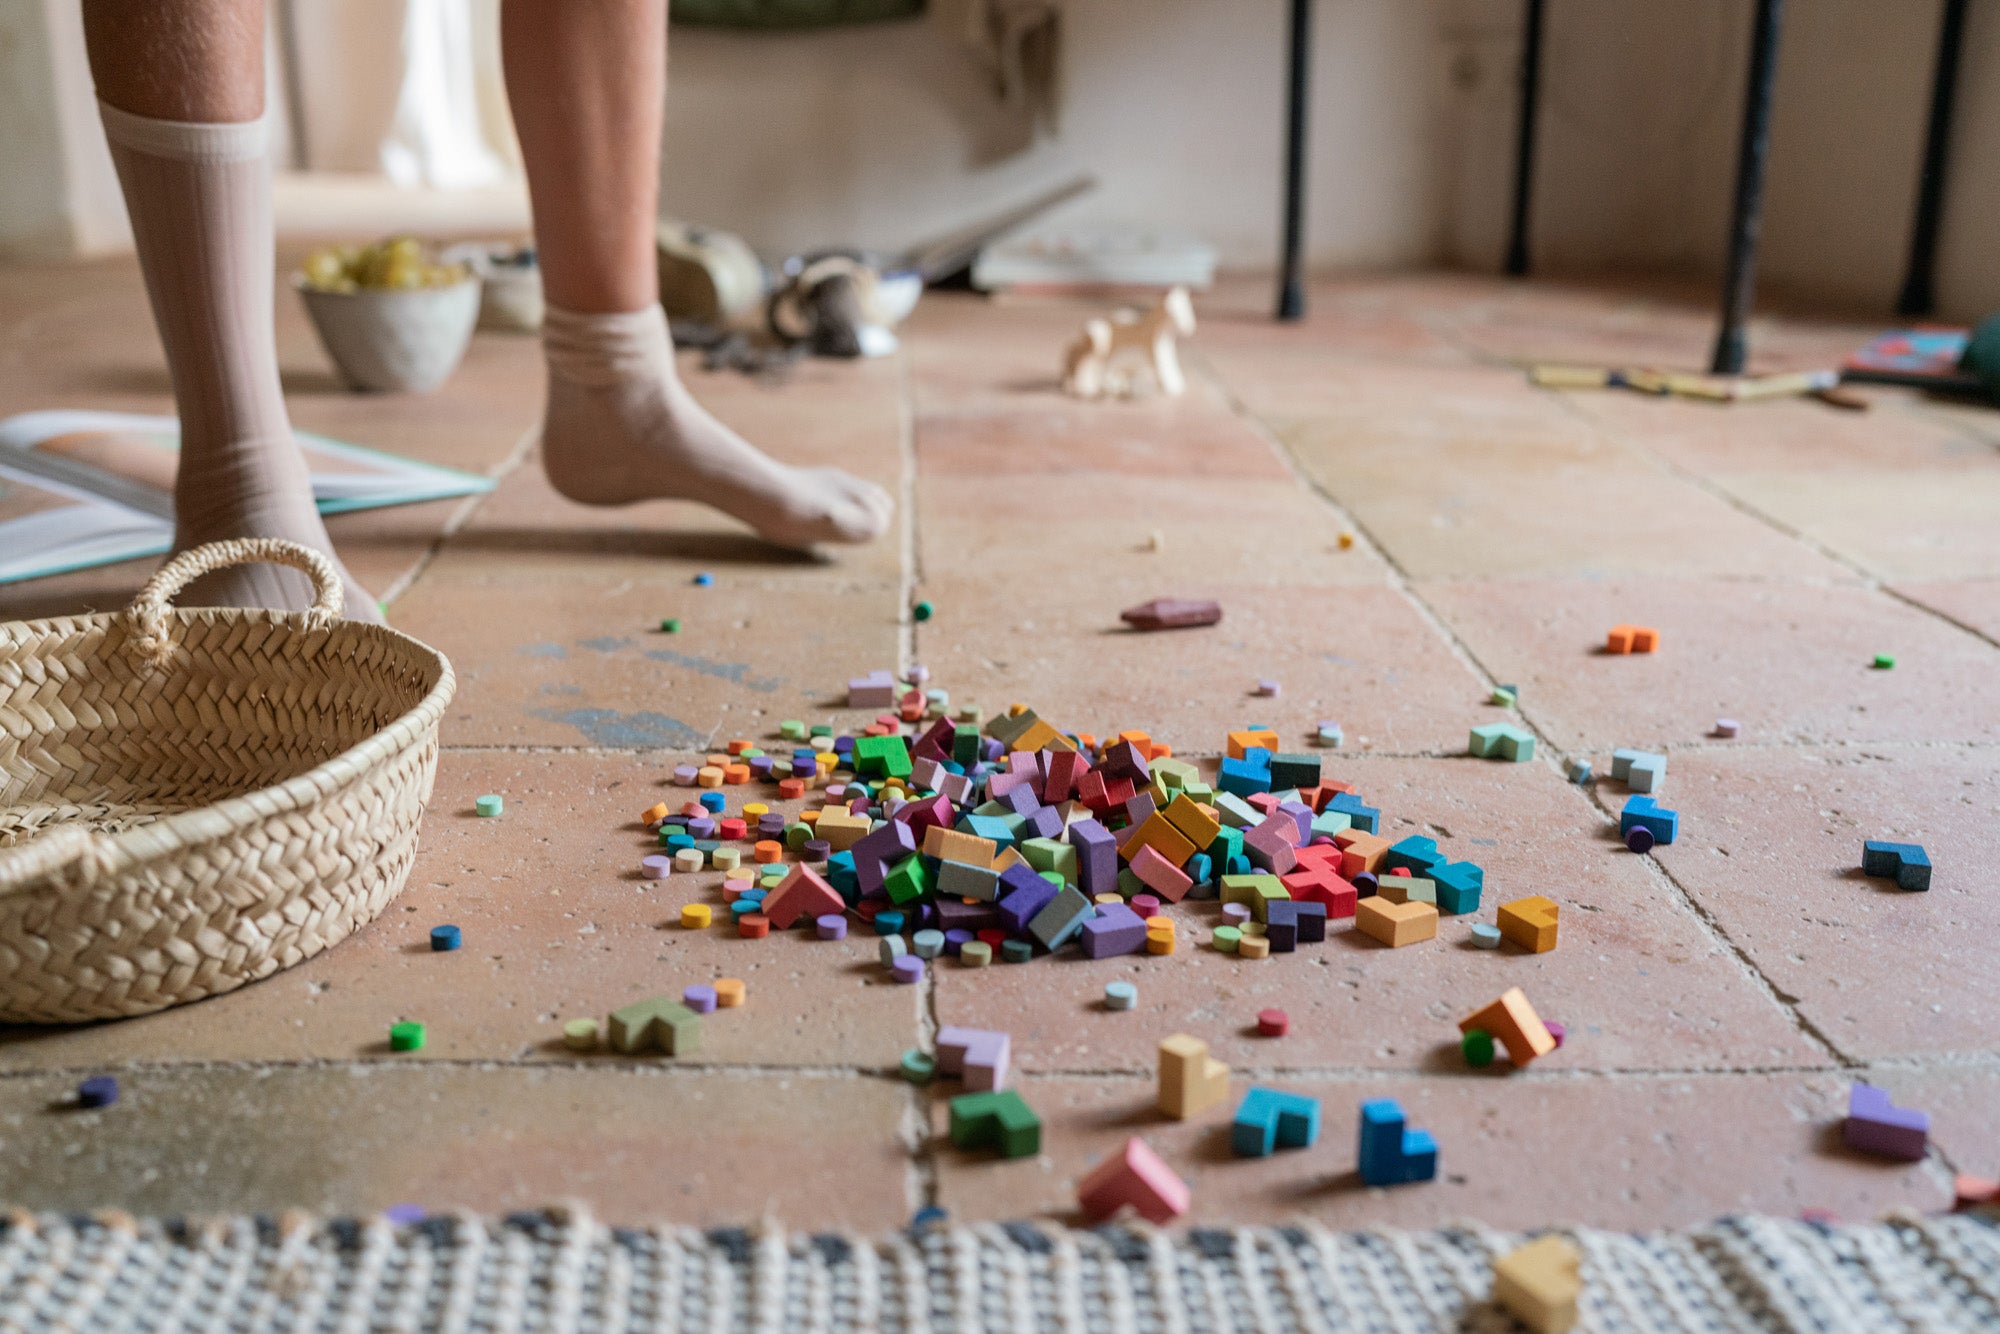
1718	996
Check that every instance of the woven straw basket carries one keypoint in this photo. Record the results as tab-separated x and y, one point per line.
192	799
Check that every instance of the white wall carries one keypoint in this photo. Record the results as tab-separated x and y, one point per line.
59	195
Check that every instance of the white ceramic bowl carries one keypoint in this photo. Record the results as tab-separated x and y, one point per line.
395	338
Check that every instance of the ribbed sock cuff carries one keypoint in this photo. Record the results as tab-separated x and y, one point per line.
602	350
187	141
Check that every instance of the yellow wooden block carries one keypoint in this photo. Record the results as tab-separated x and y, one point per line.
1539	1284
1156	833
1513	1024
1262	738
580	1035
1530	923
1007	858
1191	1081
726	859
1396	924
841	828
1253	947
1159	942
728	991
696	915
1192	821
1041	736
708	775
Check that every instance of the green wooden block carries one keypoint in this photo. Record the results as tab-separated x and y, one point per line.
1228	843
798	835
1130	884
1485	740
792	730
999	1120
1200	792
1046	854
1330	823
1256	890
660	1022
1235	812
881	757
909	881
965	745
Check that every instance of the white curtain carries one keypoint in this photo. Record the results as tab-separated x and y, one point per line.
410	89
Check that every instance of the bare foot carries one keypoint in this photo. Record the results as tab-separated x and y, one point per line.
258	490
621	427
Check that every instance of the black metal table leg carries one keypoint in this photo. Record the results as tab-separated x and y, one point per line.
1291	276
1739	283
1524	144
1918	296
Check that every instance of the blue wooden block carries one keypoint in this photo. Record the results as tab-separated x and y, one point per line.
1061	918
1907	863
1200	868
1303	918
1365	817
1390	1154
1415	854
1647	814
1458	886
1247	776
1267	1120
1004	830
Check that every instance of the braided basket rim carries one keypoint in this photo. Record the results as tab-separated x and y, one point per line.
117	853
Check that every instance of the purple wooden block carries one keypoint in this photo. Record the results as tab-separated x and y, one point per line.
1139	807
957	915
1366	885
955	940
815	850
831	926
1019	907
879	849
1124	761
1556	1030
1235	914
1876	1125
977	1055
1045	822
701	827
656	867
699	999
1019	799
907	968
955	788
1000	786
1115	930
760	766
1096	857
686	774
804	768
990	749
1302	816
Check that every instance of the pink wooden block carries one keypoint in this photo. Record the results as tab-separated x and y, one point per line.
1060	773
802	894
1135	1176
1161	876
1270	845
976	1055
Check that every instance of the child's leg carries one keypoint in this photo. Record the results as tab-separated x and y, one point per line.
587	83
181	88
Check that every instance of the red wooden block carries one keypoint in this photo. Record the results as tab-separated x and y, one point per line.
731	827
1135	1176
1322	884
801	894
1065	768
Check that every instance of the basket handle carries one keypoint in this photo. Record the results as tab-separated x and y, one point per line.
64	846
149	609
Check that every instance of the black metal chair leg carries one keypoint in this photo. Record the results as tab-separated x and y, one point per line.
1739	283
1524	144
1919	297
1291	273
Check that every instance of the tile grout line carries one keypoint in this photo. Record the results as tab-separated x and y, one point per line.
920	1172
1550	754
460	517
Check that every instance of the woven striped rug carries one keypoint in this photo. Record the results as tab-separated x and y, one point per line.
561	1270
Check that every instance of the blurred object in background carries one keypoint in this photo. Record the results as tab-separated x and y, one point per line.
510	296
1108	261
790	13
708	275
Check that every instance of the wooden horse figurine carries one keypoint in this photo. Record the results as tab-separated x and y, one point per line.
1088	371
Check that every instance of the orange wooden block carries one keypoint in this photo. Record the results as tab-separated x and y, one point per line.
952	845
791	789
753	926
1631	639
738	747
768	850
1396	924
1530	923
717	760
728	991
1160	835
1360	852
1192	821
736	773
1514	1025
1262	738
655	813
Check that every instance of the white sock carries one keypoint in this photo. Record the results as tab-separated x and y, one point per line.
200	200
622	427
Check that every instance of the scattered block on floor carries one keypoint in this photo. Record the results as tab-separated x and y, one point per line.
1063	917
1514	1025
802	894
1645	813
1394	888
659	1022
1502	741
1191	1081
1115	930
1906	863
1257	892
995	1121
877	690
1267	1120
1631	639
1396	924
1876	1125
1458	887
1318	880
1390	1153
1301	923
1640	770
976	1055
1971	1192
1530	923
1539	1284
1134	1175
1171	614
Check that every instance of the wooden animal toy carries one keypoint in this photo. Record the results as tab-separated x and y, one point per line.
1089	364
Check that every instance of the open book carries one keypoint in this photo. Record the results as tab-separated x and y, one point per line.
88	488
